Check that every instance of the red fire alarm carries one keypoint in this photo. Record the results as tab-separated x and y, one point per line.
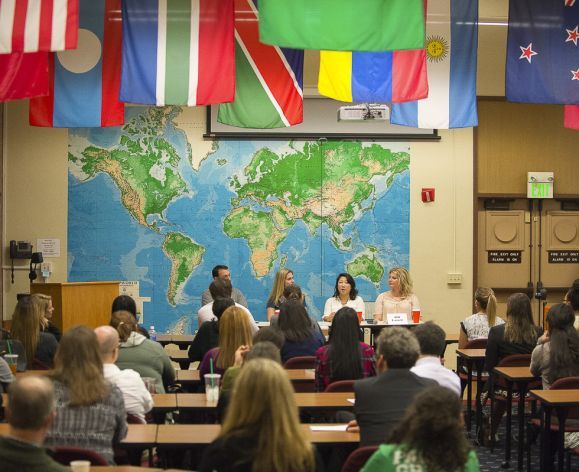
427	195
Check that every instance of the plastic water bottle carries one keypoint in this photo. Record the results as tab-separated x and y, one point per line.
152	333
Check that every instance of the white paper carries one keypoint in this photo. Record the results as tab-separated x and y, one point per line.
352	400
49	247
333	427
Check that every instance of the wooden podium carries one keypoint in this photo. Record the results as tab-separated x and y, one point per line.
80	303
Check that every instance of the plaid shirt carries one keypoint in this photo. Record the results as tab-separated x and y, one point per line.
97	426
324	366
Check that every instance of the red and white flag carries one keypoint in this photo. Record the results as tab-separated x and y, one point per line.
38	25
571	119
23	75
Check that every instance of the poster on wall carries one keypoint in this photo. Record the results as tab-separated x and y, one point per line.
154	202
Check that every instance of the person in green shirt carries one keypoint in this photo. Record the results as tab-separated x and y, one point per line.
430	437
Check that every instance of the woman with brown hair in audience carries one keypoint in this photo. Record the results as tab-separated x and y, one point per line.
261	431
26	328
303	336
429	437
572	298
90	411
136	352
557	355
234	331
518	335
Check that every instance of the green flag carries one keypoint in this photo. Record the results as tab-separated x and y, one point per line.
343	25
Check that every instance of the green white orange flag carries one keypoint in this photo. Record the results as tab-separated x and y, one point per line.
343	25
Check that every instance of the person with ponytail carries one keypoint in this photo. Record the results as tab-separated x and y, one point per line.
572	298
557	353
478	325
136	352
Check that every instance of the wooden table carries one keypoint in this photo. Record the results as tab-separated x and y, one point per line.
182	358
192	377
473	357
304	401
183	341
450	339
140	436
521	376
560	400
128	468
184	435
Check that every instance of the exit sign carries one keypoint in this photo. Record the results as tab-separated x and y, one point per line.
540	184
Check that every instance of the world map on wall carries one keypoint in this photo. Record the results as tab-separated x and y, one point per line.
154	202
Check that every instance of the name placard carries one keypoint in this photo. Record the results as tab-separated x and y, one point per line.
397	318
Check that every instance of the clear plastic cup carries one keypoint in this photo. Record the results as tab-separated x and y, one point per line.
12	361
212	387
150	384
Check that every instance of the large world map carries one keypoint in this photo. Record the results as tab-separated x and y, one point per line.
154	202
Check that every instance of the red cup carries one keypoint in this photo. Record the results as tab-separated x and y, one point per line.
416	316
360	316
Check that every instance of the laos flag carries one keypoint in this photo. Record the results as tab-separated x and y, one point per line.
84	82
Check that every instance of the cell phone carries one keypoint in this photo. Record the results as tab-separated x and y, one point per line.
371	321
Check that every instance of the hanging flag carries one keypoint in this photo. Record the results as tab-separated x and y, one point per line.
571	117
85	82
23	75
38	25
268	79
451	50
178	52
543	52
343	25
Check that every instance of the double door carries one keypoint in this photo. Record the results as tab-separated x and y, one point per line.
529	246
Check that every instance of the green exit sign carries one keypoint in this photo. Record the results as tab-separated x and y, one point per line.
540	185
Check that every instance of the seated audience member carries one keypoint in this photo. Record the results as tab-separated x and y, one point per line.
291	292
26	326
136	352
345	294
262	430
270	334
572	298
557	355
429	437
126	303
382	401
222	272
234	331
302	338
518	335
344	357
478	325
432	340
46	312
283	279
6	376
90	412
30	412
207	336
221	288
138	400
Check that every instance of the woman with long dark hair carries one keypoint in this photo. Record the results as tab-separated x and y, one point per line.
345	294
344	357
558	356
302	337
572	298
430	437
